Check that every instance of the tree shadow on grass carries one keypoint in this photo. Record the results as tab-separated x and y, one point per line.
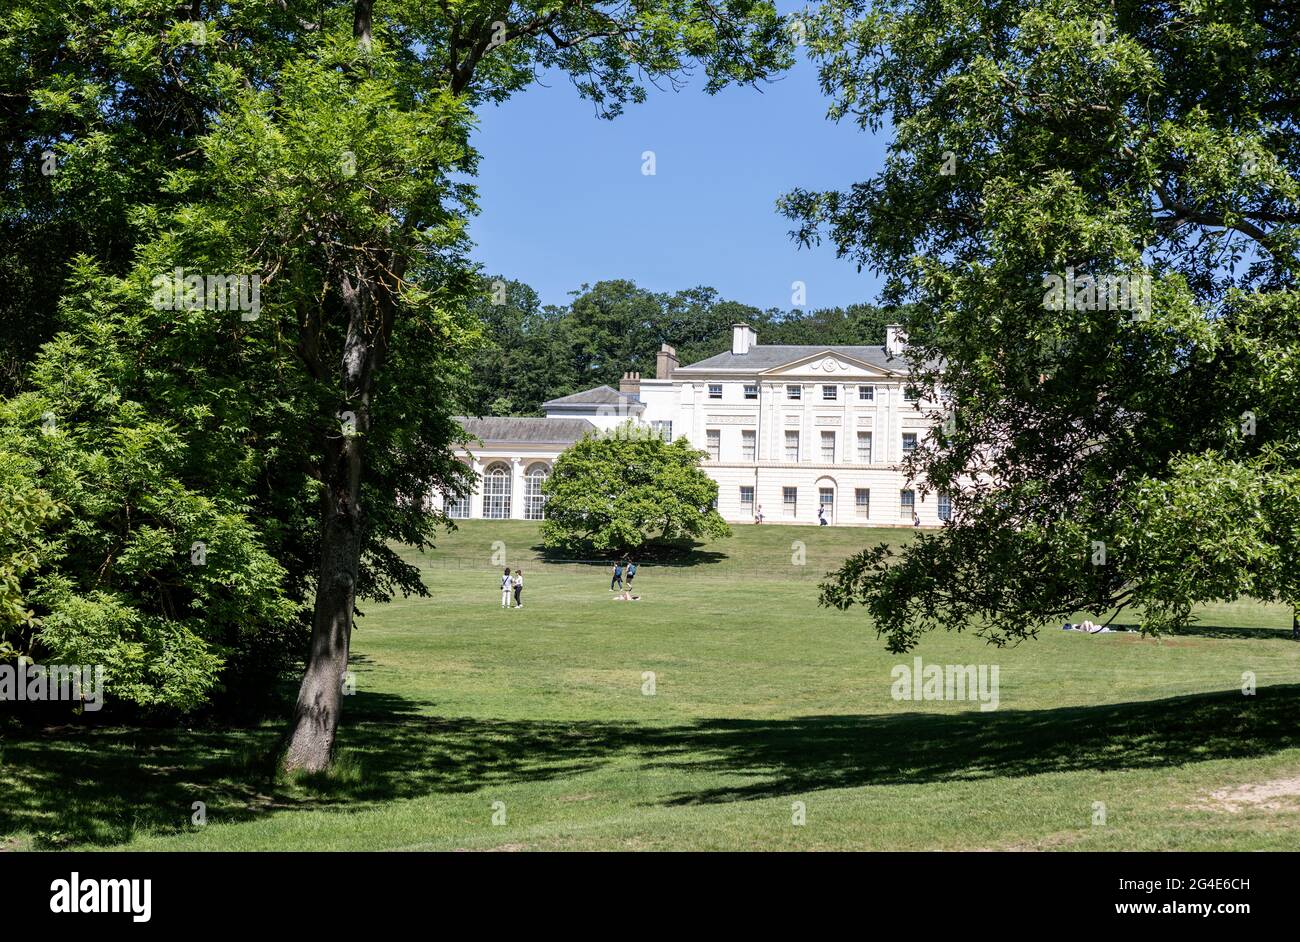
77	785
674	553
102	786
820	752
1234	634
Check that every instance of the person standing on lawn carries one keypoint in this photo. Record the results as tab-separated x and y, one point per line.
518	582
618	576
506	585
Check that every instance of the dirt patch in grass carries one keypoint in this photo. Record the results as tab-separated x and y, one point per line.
1281	794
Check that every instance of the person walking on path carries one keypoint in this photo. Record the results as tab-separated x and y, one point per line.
506	586
518	582
618	576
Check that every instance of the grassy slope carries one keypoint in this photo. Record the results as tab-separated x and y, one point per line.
762	699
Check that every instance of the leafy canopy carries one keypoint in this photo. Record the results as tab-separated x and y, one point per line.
322	148
1099	455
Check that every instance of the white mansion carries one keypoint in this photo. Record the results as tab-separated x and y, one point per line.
787	430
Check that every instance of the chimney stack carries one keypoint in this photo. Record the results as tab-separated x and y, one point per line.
665	362
630	384
743	337
895	340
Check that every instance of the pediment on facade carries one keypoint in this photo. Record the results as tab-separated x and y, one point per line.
829	364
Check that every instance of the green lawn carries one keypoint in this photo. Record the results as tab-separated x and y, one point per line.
761	700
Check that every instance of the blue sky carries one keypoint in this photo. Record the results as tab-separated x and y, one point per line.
564	200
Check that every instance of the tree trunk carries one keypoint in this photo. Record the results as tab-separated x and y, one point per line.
316	716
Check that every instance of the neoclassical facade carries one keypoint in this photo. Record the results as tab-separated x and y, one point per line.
788	431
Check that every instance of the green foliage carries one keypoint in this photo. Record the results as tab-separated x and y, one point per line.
28	510
322	148
614	492
1125	139
99	556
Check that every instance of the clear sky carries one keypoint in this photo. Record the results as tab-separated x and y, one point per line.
564	200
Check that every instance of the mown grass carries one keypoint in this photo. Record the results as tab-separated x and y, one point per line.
761	700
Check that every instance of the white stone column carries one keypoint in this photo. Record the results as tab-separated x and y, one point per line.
776	424
848	430
476	495
808	422
894	455
516	488
890	454
698	438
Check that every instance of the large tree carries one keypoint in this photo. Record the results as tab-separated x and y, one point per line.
237	142
1100	454
468	54
323	148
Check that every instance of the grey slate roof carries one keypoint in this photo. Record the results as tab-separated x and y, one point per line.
770	356
600	396
526	430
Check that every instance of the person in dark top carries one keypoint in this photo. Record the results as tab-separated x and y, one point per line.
631	572
618	576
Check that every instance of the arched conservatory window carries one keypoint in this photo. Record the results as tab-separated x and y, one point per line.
497	492
534	499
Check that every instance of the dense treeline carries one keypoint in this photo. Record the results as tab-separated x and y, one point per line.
533	352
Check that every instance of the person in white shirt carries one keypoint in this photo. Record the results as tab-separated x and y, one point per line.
506	586
518	583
